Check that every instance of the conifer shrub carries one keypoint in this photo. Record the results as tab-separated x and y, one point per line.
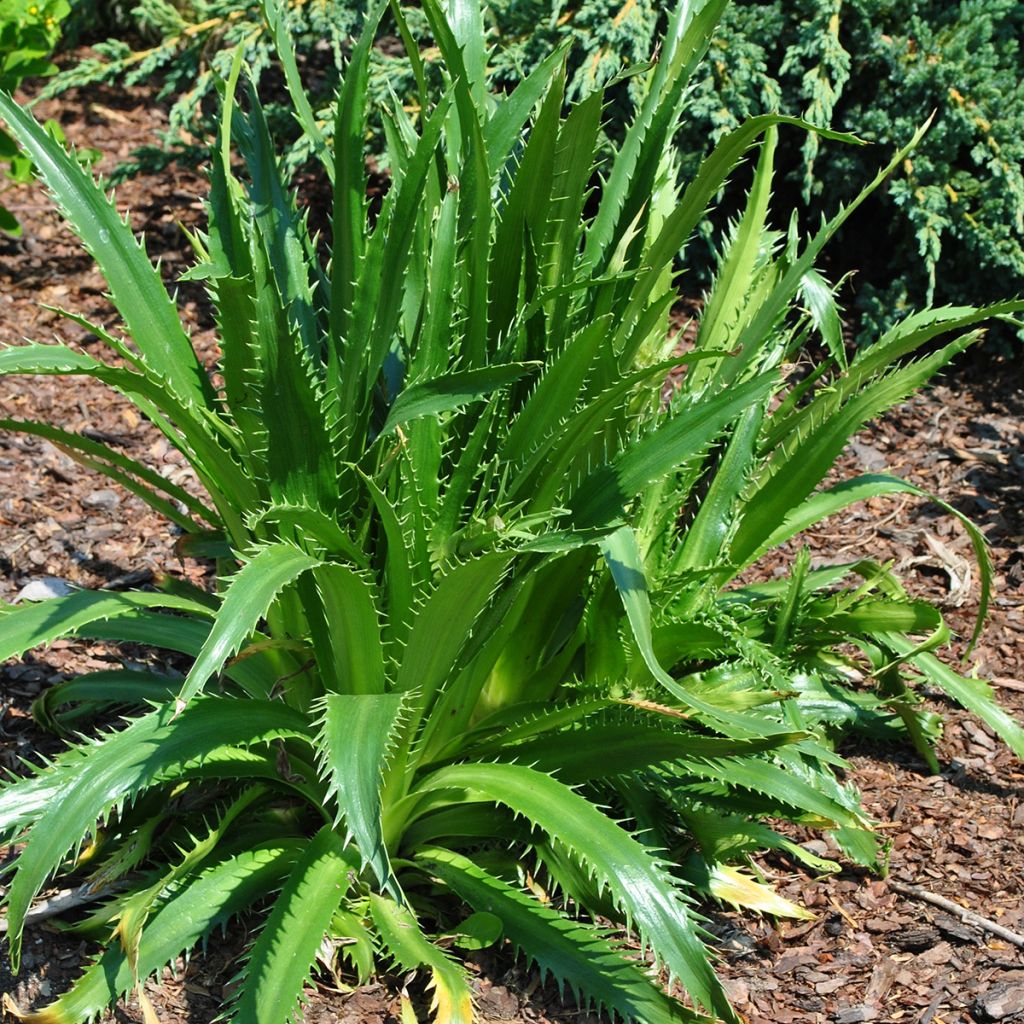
952	215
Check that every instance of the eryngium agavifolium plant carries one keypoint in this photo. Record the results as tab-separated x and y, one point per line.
476	666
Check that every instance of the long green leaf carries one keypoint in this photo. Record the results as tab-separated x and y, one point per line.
192	913
603	751
444	623
281	35
280	962
452	391
622	555
973	694
248	597
133	476
32	625
354	740
117	686
572	952
136	287
605	493
629	183
347	631
124	764
452	1001
637	881
348	210
799	465
256	671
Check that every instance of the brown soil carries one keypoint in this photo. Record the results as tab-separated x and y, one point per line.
870	955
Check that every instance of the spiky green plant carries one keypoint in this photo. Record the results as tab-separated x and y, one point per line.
476	623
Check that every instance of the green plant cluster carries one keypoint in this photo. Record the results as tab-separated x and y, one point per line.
29	30
478	668
879	66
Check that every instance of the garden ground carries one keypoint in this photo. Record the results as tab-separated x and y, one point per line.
871	954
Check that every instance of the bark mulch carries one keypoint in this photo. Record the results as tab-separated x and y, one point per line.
871	954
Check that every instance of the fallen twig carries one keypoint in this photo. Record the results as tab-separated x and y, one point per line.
66	899
965	915
1007	683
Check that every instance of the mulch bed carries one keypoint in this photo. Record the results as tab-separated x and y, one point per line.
871	954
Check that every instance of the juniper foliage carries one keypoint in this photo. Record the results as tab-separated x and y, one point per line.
879	67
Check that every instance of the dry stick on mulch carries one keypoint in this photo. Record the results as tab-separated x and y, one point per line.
66	899
965	915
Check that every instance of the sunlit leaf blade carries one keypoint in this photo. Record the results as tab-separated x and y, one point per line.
134	282
973	694
354	739
636	880
136	908
573	953
605	493
118	767
95	690
804	461
303	110
740	890
191	913
348	214
279	965
31	625
451	999
245	603
346	629
622	555
445	621
602	751
159	493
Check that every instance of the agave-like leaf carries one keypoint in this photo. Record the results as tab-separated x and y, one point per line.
247	599
636	880
799	465
622	556
605	492
135	909
505	124
98	689
278	25
142	481
345	625
348	209
192	912
632	177
452	1000
120	766
726	309
444	623
277	969
602	751
573	953
778	784
256	674
452	391
354	739
32	625
973	694
134	282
